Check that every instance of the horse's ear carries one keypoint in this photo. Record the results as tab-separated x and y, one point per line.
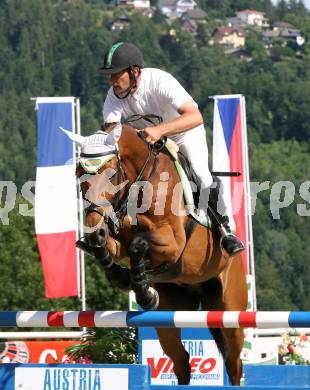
114	135
78	139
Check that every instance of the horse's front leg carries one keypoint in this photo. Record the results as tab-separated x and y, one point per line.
117	275
95	244
146	296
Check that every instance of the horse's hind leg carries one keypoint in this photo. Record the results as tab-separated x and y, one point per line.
173	297
170	340
234	340
233	296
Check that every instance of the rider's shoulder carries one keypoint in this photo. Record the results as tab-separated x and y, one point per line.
156	75
155	72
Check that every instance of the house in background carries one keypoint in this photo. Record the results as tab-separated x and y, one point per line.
253	18
282	33
136	4
197	15
232	37
167	8
234	21
119	23
192	18
184	6
175	8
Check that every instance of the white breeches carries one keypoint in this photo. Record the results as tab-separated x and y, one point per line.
194	146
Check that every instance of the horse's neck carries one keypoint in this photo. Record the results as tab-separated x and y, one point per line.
133	151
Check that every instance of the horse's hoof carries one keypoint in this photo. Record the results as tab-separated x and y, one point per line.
84	247
151	302
138	246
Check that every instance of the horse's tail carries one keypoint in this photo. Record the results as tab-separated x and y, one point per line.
212	297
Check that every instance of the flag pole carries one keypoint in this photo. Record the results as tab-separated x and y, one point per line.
82	291
248	206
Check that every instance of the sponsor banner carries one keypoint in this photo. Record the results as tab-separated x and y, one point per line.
205	361
207	366
34	351
72	377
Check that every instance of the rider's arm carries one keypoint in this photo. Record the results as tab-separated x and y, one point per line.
190	117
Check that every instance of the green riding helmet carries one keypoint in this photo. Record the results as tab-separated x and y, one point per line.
122	55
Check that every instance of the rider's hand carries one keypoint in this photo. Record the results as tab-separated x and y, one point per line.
151	134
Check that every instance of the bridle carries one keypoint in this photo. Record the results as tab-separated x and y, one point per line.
109	217
114	218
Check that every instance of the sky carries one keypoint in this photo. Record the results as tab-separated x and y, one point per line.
306	2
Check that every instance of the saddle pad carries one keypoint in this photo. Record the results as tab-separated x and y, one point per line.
93	164
201	217
172	148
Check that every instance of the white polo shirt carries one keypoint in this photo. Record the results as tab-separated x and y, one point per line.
159	93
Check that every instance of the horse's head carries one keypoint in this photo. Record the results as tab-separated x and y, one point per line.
102	182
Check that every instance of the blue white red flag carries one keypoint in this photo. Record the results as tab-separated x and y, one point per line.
230	154
56	209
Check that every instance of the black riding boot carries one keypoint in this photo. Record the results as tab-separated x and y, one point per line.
220	220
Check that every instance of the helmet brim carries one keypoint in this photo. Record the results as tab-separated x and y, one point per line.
110	70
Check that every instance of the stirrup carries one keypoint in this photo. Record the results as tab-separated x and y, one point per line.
226	234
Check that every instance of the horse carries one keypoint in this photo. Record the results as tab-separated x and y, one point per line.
135	211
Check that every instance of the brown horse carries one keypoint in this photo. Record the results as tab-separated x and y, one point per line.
144	221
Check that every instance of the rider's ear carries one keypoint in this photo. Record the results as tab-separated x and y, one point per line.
108	127
136	71
114	135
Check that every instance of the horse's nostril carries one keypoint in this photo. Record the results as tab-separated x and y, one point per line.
96	238
101	236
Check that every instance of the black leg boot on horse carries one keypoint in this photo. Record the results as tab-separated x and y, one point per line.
94	245
146	296
220	221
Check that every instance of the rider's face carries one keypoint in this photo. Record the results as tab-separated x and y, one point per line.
120	82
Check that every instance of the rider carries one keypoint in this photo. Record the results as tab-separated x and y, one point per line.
138	90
